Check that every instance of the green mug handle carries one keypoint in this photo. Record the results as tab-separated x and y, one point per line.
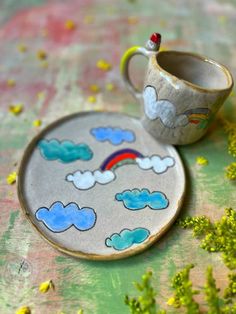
152	47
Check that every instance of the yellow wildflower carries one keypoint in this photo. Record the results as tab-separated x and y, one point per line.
80	312
132	20
11	178
37	122
202	161
40	95
92	99
69	25
109	87
16	109
45	286
171	301
11	82
94	88
22	48
23	310
162	23
41	54
103	65
222	19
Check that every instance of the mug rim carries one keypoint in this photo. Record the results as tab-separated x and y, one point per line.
203	58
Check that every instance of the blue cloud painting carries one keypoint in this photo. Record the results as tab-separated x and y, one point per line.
115	136
126	238
65	151
138	199
59	218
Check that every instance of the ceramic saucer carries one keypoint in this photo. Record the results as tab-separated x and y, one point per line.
98	186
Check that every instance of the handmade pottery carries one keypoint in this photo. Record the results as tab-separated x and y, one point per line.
99	186
182	91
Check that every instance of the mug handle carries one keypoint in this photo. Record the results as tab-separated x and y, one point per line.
152	47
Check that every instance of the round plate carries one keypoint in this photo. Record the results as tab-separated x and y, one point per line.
98	186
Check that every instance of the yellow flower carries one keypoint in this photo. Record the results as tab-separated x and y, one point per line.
92	99
103	65
80	312
11	82
40	95
23	310
109	86
16	109
69	25
132	20
11	178
171	301
22	48
162	23
94	88
45	286
37	122
202	161
222	19
41	54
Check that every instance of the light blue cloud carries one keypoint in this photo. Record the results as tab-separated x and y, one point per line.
138	199
126	238
115	136
59	218
65	151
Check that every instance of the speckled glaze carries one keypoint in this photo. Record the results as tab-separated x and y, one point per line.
182	93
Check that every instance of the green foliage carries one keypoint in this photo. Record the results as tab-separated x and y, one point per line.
230	291
232	143
230	128
199	224
231	171
184	293
145	303
212	293
183	297
229	309
216	237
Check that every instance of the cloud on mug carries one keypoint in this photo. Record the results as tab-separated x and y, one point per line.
162	109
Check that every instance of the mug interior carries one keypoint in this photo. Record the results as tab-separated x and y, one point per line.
194	69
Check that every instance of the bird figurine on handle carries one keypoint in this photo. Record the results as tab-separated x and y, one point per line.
154	42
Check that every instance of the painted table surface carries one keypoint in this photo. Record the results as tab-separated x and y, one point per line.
104	29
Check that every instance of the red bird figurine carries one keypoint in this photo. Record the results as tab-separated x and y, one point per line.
154	42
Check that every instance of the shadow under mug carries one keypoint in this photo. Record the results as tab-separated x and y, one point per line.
181	95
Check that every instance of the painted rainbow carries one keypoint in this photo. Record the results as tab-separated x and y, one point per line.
197	115
119	158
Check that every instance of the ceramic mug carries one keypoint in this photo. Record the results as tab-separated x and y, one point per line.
182	91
